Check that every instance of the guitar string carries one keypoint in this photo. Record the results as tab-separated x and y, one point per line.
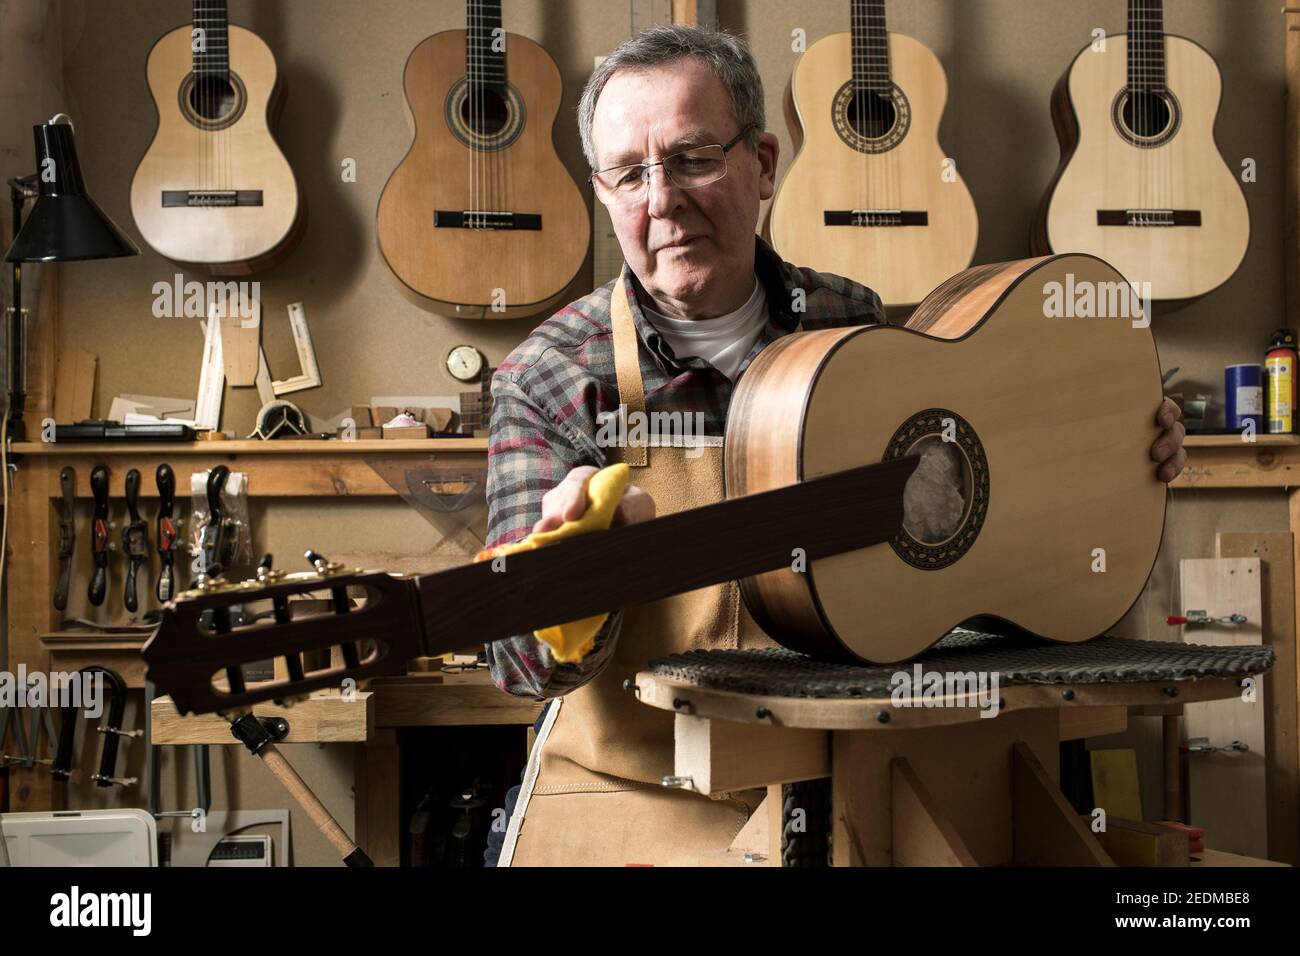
223	56
490	56
196	151
469	104
891	109
202	91
1139	104
469	112
503	168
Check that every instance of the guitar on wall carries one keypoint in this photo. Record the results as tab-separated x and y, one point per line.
870	194
214	192
481	219
823	436
1141	182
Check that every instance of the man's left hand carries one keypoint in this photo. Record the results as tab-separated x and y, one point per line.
1168	448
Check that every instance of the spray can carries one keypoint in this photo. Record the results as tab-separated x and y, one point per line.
1243	398
1280	385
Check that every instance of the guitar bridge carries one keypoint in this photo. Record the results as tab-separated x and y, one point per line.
172	198
485	219
1143	218
876	217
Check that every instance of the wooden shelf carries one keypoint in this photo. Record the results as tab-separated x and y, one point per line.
321	719
71	650
1220	441
469	698
368	446
83	639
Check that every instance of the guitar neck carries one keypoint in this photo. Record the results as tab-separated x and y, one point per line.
587	575
485	57
870	47
212	45
1146	46
488	601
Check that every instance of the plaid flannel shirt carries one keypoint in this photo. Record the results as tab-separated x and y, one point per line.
547	397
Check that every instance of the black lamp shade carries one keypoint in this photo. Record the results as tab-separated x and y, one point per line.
65	224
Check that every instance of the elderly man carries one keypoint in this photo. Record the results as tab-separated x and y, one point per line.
673	126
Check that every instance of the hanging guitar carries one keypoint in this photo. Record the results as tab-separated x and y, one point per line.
481	219
825	432
214	192
1141	182
870	194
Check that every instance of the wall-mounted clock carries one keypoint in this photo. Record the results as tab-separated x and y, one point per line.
465	363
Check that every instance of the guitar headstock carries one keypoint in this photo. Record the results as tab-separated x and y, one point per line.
199	651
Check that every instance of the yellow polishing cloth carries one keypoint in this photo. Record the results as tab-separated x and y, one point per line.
572	642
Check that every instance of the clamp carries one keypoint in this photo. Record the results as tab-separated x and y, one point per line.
135	539
27	750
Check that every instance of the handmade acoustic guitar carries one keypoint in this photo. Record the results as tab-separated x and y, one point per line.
481	219
885	484
870	194
214	192
1141	182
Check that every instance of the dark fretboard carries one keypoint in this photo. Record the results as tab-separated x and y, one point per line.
870	46
485	67
1146	46
212	56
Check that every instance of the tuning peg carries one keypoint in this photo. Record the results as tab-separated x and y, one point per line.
339	593
322	564
209	578
266	574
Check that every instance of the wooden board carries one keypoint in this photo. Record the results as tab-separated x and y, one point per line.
865	713
1227	791
1115	786
1134	843
322	718
966	769
719	756
75	387
1093	722
1276	553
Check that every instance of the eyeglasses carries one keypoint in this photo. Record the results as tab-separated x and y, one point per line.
689	169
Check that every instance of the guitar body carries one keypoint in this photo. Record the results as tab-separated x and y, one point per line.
1051	419
903	169
457	271
1178	169
236	151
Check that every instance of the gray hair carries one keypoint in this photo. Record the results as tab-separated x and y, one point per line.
725	53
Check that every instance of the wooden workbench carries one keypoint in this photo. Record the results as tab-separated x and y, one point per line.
370	722
926	785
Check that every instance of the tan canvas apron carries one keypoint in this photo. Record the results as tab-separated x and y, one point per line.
591	793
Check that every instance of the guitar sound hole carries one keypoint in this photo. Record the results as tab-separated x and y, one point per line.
935	497
1146	119
485	112
872	115
1147	114
213	97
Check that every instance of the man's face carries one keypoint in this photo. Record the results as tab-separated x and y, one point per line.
691	249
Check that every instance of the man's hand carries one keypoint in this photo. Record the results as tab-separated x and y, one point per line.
1168	448
568	500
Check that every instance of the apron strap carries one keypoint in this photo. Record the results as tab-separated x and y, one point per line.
627	367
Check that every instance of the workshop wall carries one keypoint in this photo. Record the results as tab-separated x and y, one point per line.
343	64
